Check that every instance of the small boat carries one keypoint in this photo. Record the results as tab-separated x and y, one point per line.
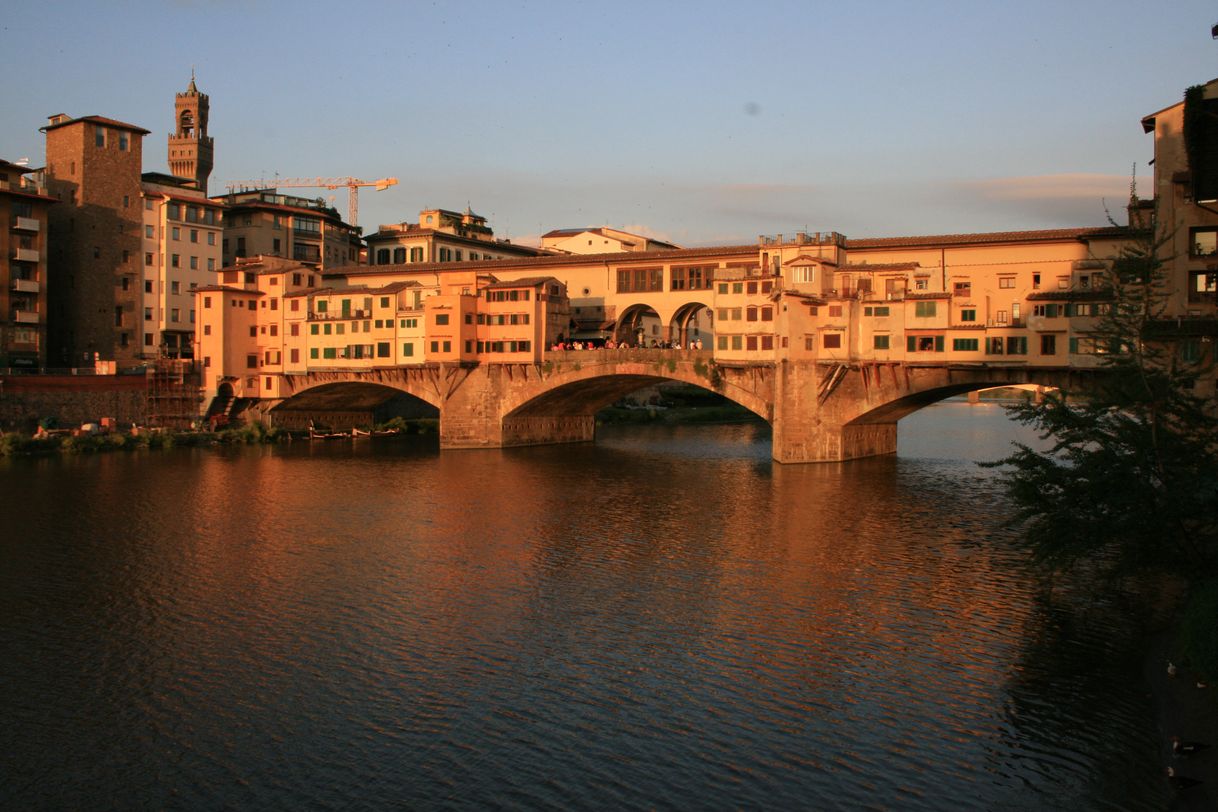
322	434
374	432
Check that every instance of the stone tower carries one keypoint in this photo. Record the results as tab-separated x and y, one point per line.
190	147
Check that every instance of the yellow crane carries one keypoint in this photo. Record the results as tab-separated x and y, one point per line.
352	185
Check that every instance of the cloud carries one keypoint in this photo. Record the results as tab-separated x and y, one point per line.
1067	199
1068	186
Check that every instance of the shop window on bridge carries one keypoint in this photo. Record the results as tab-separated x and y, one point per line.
723	287
924	343
881	342
993	346
737	287
1048	345
752	288
964	345
382	349
1017	345
832	341
408	350
750	343
313	353
751	315
330	353
767	342
767	313
737	342
639	280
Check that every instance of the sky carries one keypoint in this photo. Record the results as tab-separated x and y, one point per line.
699	123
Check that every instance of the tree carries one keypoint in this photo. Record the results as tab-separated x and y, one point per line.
1129	482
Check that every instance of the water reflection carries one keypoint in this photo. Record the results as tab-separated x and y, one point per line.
661	619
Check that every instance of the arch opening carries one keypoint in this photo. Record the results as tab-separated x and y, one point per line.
693	321
639	325
350	404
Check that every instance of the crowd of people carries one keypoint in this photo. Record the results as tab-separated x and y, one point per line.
609	344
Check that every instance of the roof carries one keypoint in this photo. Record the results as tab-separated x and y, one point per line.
528	282
384	236
226	289
561	260
807	259
109	122
953	240
392	287
858	267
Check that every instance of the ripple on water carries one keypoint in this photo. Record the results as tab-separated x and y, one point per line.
664	619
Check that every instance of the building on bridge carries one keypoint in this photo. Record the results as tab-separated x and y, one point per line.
270	318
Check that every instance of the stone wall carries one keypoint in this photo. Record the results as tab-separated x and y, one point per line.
71	400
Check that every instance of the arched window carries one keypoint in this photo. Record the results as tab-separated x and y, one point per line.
382	256
399	256
187	123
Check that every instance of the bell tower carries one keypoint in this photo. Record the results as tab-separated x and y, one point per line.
190	147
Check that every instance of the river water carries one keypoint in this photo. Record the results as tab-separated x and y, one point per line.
662	619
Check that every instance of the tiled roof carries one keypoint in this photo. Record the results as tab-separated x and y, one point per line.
528	282
492	265
109	122
226	289
950	240
880	266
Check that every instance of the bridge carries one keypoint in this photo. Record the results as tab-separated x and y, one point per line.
819	411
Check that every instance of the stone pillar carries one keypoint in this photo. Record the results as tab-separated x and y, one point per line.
807	431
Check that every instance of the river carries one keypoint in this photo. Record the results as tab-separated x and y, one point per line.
661	619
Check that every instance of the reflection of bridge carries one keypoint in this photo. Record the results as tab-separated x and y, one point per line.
819	411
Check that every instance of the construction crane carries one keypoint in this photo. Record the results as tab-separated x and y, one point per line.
352	185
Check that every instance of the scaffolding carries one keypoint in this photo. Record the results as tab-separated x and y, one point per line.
173	395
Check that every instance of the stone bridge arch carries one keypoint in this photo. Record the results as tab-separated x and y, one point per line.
345	398
842	412
557	401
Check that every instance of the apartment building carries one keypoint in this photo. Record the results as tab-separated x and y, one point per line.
441	235
263	222
23	266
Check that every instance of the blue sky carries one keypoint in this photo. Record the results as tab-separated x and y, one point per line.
703	123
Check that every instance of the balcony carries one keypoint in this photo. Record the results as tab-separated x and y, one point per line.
26	224
25	286
25	254
25	317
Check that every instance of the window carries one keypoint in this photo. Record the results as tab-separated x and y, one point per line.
879	312
633	280
993	346
1017	345
964	344
962	289
1190	350
767	313
194	263
147	314
917	343
148	259
880	342
122	145
1006	281
251	361
206	329
924	310
149	231
175	261
1203	242
968	315
99	136
1049	311
441	318
313	352
832	341
382	349
737	342
835	311
1048	345
176	233
751	314
809	343
211	238
1001	317
147	286
408	350
194	235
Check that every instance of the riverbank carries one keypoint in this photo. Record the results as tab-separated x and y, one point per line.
13	444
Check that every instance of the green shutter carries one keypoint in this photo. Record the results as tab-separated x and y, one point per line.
938	341
911	344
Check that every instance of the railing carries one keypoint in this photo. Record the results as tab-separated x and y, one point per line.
24	185
26	224
25	254
1015	322
25	317
25	286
